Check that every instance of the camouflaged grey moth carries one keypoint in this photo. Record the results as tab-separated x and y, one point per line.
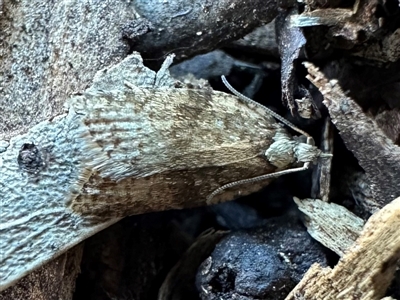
130	144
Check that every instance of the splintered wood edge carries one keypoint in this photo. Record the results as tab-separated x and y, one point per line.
366	270
321	178
374	150
331	224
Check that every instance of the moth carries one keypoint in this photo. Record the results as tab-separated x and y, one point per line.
135	141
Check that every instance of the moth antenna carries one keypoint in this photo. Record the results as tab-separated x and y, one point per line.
269	111
255	179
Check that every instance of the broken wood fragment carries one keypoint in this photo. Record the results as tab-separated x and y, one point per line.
331	224
344	23
321	179
290	41
376	153
366	270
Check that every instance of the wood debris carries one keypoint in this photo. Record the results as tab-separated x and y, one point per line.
367	268
332	225
373	149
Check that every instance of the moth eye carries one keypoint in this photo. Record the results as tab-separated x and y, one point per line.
30	159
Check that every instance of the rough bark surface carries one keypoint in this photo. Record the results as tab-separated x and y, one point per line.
376	153
55	280
50	50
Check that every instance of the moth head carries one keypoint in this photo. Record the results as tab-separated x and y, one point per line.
306	152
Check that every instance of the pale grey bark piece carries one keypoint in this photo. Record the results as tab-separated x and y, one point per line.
36	224
122	149
331	224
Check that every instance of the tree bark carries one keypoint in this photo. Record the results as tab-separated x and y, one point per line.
50	50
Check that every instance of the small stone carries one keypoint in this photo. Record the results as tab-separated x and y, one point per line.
264	263
30	158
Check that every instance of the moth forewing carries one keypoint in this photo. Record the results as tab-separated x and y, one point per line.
179	148
171	148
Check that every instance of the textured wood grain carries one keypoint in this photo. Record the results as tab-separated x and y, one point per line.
129	144
50	49
332	225
376	153
367	268
54	280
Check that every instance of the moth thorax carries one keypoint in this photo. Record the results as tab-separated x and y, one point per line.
285	150
281	153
